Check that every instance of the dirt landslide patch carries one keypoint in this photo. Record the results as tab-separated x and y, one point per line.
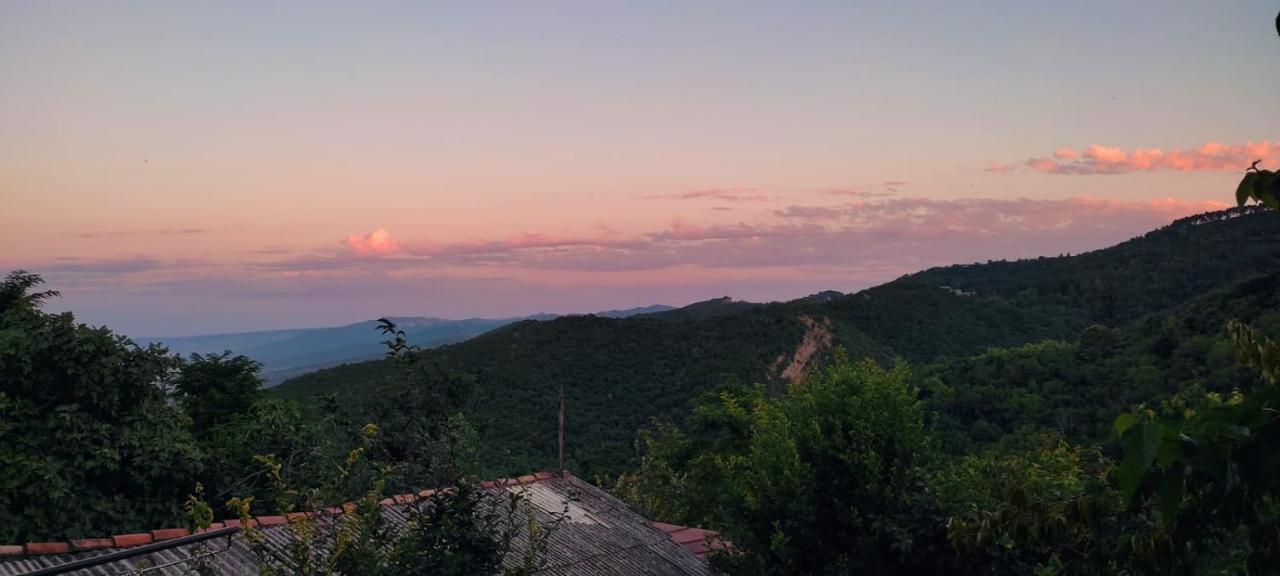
817	337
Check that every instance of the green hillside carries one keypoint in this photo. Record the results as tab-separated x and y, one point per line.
621	374
1076	388
1154	272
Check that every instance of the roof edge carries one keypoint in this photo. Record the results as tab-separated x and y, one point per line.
123	541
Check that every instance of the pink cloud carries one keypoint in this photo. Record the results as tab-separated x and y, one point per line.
528	242
857	192
815	213
723	194
1211	157
130	233
998	168
376	243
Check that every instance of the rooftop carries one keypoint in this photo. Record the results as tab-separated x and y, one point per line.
601	535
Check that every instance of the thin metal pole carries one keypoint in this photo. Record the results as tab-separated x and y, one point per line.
561	430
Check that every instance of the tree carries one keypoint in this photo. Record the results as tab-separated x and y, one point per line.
824	479
89	443
1046	508
217	389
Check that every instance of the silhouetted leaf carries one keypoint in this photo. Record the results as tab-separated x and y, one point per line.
1264	188
1141	443
1123	423
1171	491
1244	191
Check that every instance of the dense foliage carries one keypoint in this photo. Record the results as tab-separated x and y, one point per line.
842	475
1214	468
88	440
819	480
1076	388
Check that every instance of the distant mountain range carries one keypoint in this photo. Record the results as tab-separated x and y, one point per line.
287	353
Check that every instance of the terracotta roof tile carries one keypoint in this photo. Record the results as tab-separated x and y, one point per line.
211	528
127	540
92	543
296	516
10	550
48	548
688	535
271	520
169	533
700	542
668	528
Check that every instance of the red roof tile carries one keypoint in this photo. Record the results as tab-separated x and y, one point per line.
700	542
127	540
668	528
271	520
48	548
10	550
92	543
211	528
688	535
169	533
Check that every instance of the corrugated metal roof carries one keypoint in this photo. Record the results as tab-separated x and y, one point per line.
602	536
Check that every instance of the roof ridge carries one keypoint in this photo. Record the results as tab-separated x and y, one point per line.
121	541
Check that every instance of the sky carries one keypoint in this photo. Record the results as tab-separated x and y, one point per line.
179	168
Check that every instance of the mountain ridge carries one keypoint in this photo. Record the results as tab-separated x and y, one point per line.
288	352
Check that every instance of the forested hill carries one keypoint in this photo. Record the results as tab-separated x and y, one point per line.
1120	284
621	374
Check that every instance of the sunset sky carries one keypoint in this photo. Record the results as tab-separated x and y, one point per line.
179	168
